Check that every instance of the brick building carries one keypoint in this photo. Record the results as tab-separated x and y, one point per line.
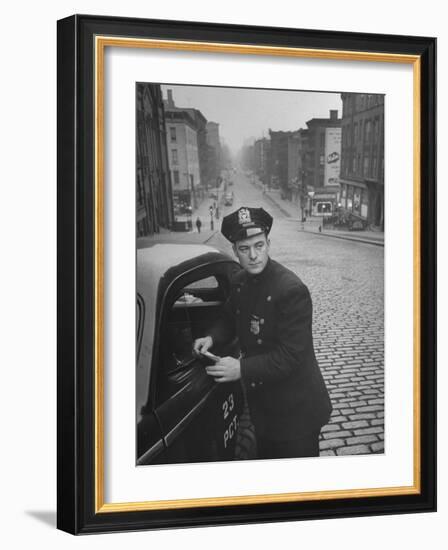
154	201
183	153
261	151
315	164
362	157
278	162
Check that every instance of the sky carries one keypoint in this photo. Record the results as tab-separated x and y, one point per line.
244	113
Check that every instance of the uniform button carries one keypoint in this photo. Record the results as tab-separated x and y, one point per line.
259	341
252	384
261	321
269	298
261	383
237	311
238	289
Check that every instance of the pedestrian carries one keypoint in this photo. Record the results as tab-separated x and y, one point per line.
198	224
217	213
270	311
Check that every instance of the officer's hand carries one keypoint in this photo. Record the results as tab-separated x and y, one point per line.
201	345
228	369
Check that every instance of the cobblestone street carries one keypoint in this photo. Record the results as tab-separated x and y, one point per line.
346	281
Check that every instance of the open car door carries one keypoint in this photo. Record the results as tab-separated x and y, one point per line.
198	418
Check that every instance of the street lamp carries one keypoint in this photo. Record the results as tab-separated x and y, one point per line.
211	218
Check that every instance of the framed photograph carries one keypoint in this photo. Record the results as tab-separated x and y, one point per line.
246	274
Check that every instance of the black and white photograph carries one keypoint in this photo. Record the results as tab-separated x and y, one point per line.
260	274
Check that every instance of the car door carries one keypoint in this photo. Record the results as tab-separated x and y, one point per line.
198	417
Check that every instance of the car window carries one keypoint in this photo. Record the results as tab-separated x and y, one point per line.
198	292
190	311
207	282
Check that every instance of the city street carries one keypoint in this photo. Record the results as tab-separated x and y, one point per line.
346	281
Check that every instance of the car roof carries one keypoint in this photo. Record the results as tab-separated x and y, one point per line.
164	262
153	262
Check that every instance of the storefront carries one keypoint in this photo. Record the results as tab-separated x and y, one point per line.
355	199
324	203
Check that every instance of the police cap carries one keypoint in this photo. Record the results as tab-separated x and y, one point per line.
246	222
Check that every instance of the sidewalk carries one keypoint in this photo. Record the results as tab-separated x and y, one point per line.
172	237
312	224
187	237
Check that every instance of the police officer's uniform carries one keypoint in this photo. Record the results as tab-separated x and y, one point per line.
272	316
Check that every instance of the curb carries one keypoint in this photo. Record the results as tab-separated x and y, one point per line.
275	203
210	237
345	238
323	234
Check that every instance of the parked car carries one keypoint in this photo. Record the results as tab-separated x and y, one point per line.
183	415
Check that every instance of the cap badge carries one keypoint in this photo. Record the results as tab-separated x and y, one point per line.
244	216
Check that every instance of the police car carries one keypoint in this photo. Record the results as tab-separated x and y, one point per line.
183	415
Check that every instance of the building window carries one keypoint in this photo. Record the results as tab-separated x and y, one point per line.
176	177
321	160
366	165
174	156
367	132
376	130
173	136
374	165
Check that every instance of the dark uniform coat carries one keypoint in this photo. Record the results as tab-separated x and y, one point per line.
271	313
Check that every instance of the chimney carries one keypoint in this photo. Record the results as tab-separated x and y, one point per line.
171	102
333	114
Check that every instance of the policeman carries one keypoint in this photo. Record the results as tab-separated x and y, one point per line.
270	310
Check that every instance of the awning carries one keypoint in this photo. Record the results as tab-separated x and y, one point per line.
359	184
324	197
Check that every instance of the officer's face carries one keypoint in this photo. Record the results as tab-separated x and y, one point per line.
253	253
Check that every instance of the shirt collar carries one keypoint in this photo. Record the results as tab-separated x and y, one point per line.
255	279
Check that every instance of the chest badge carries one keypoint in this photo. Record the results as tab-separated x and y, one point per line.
255	323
